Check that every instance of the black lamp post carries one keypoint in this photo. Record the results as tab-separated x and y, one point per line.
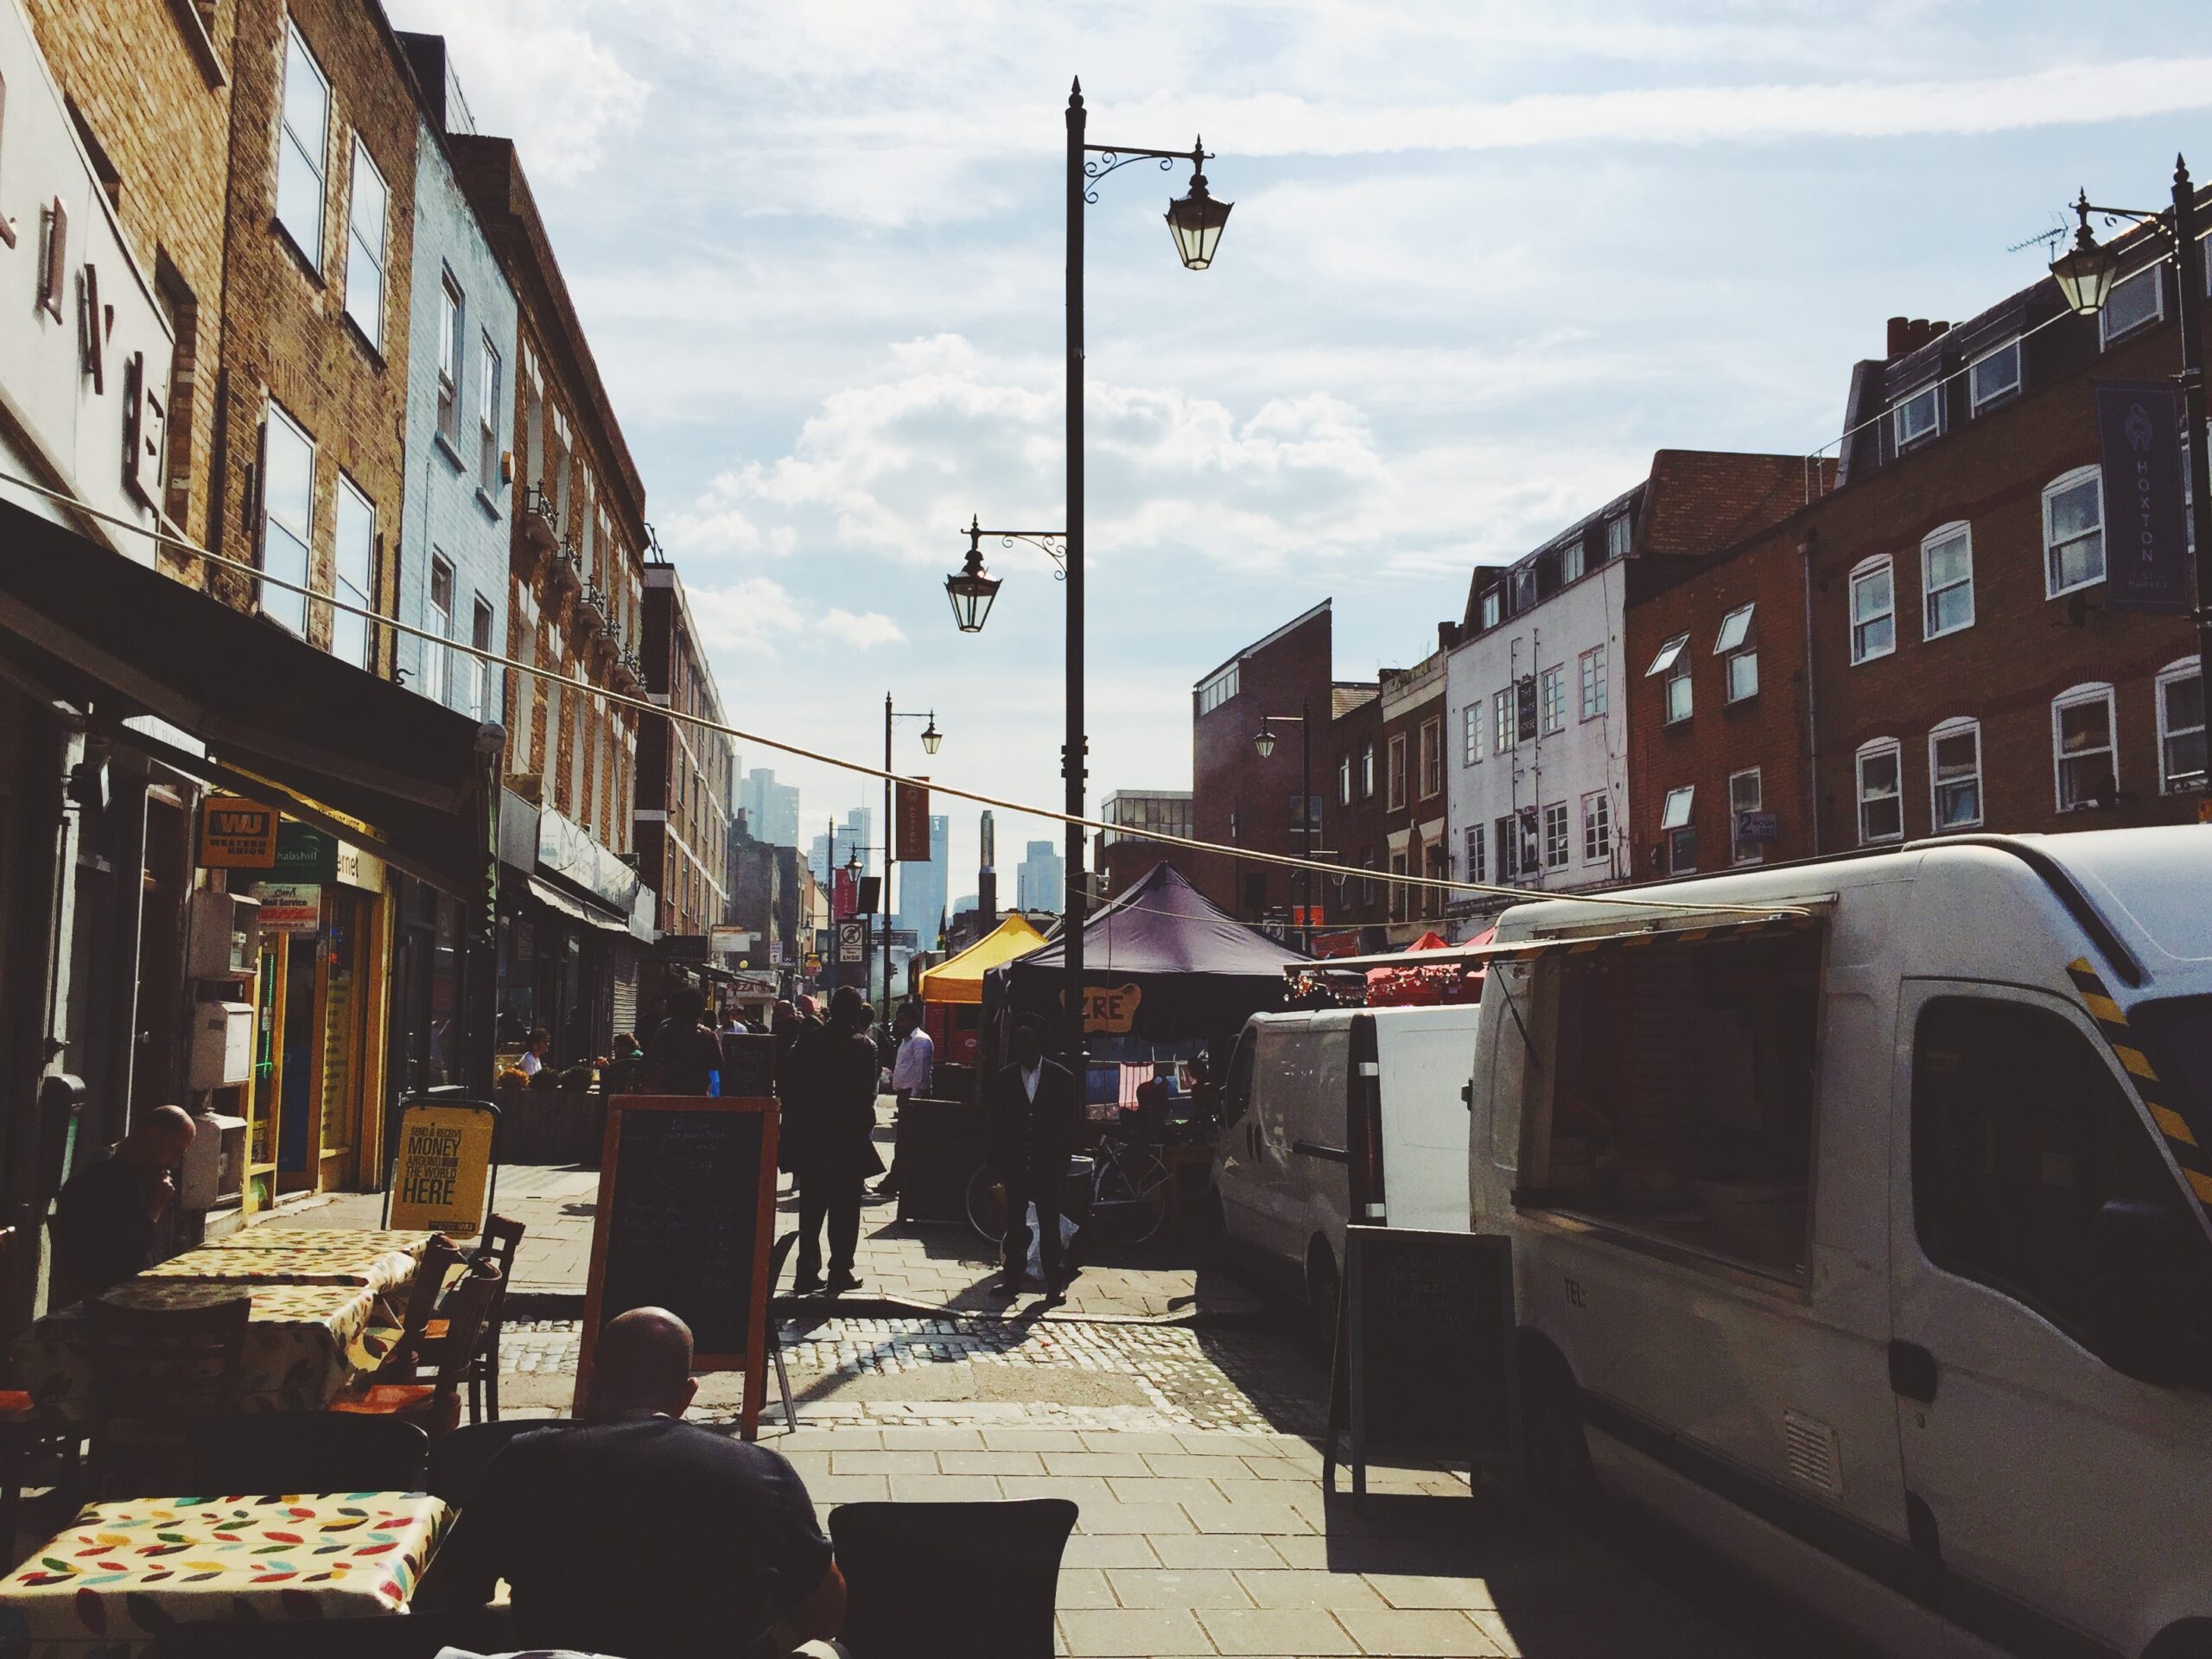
2086	273
930	738
1264	741
1195	220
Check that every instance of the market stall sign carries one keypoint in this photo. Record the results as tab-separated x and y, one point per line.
236	835
1111	1007
443	1173
305	854
288	906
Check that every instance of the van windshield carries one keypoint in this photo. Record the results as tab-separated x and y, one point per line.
2177	1034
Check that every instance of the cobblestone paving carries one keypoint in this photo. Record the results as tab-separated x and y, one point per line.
1190	1378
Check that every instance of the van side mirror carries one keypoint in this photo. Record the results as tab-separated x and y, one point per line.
2155	1293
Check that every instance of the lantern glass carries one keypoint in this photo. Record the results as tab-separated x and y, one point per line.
1196	222
971	593
1264	742
2085	275
930	736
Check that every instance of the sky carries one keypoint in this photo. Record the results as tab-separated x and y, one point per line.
1484	259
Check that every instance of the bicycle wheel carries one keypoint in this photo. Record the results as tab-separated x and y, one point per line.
987	1205
1130	1203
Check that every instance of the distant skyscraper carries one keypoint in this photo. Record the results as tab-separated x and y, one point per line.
1041	882
770	809
922	888
857	830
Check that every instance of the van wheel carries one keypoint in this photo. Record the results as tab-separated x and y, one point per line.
1554	1445
1322	1289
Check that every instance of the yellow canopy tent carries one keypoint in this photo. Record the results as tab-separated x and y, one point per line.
960	979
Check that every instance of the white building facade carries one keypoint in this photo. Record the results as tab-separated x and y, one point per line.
1536	715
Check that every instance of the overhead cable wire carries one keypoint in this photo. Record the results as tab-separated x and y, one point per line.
785	745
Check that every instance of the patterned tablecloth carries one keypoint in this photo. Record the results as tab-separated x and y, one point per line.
125	1572
364	1242
300	1264
303	1343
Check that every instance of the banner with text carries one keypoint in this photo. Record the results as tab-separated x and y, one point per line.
2146	553
912	818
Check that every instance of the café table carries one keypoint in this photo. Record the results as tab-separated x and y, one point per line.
364	1240
123	1572
303	1343
383	1272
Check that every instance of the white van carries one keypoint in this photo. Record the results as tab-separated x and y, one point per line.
1341	1113
1862	1230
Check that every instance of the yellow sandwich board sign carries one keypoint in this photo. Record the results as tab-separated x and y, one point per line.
441	1174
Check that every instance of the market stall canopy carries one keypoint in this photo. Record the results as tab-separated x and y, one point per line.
1420	984
960	979
255	710
1161	960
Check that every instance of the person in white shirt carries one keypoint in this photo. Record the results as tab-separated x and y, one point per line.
911	1071
533	1058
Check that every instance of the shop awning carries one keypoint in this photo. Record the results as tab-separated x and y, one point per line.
575	909
389	770
1684	927
960	979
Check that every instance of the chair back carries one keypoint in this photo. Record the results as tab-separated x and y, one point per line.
460	1457
156	1367
502	1238
464	1314
429	1282
307	1452
908	1566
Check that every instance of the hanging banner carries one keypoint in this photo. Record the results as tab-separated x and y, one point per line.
236	835
2147	552
911	819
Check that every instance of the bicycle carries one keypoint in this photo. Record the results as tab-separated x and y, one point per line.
1128	1193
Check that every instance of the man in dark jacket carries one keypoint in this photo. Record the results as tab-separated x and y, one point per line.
1035	1113
832	1141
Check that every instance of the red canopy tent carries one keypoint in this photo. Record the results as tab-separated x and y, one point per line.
1413	986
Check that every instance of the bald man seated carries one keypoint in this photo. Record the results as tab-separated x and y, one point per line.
105	1221
639	1535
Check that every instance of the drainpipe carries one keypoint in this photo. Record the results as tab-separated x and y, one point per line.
1812	701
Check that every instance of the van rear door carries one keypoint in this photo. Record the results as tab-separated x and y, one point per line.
1427	1063
2064	1497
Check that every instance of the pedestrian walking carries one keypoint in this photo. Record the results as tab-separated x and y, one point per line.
912	1070
1034	1112
833	1149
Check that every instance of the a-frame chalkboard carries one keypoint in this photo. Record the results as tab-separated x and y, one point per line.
687	1205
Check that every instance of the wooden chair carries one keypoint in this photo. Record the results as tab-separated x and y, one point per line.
24	1431
928	1565
434	1407
155	1370
408	1343
502	1238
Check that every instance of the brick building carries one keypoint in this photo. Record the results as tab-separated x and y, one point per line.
685	773
1964	669
1416	826
1357	907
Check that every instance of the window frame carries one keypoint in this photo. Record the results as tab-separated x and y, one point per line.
372	325
489	372
363	593
1394	773
1619	529
318	160
1477	863
1942	732
1558	837
2179	673
1492	608
1551	700
1504	720
1878	748
1597	827
1432	757
2065	483
1861	574
1367	772
1220	687
483	619
453	310
1976	398
1737	855
1961	531
1932	393
1591	678
1722	646
1666	655
1471	732
2080	697
1508	827
274	416
1573	562
2108	336
437	679
1679	675
1343	778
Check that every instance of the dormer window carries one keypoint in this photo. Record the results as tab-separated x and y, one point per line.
1524	588
1918	417
2136	301
1995	375
1492	608
1618	535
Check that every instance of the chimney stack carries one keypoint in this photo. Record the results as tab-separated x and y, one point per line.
1909	334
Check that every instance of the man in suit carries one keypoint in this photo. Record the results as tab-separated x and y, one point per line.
1034	1114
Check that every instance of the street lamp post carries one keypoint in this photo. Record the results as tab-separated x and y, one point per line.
930	738
2086	273
1264	741
1195	221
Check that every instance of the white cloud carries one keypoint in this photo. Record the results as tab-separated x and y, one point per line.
862	632
746	615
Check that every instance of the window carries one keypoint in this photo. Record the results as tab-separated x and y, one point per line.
440	624
1471	733
1735	629
1744	796
1524	588
1502	720
1592	669
1918	416
1570	561
1994	375
365	247
287	517
1477	868
1399	909
487	420
1735	643
350	639
1397	797
1492	608
1954	775
1674	664
1367	881
2081	740
1946	581
1367	773
1681	833
1554	698
1344	781
1434	860
1509	838
1873	611
2073	532
1881	800
480	635
54	271
2023	1141
1619	532
1432	757
1219	689
2136	301
1667	653
449	361
2181	728
303	149
1556	837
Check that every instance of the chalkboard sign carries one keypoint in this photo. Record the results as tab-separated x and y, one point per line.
748	1067
1426	1352
687	1197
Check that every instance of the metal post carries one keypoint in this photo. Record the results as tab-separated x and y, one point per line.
890	849
1073	757
1306	824
2188	268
